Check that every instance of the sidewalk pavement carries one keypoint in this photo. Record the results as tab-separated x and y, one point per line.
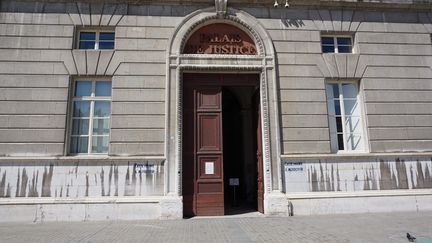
389	227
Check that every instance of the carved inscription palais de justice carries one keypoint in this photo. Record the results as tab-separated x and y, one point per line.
220	39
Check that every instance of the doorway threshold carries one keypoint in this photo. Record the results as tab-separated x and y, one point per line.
242	215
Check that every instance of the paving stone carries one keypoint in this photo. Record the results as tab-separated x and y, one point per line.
250	228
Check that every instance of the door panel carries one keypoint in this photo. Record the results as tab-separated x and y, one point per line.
260	177
209	167
209	100
209	131
210	204
188	182
203	191
209	157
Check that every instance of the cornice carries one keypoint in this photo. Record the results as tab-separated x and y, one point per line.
418	5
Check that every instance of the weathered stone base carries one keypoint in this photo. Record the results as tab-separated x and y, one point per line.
275	204
46	210
348	203
171	208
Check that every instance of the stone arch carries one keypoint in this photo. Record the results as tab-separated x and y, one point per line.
262	63
238	18
208	39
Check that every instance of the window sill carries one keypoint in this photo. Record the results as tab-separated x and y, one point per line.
82	158
88	155
343	152
363	155
76	49
338	53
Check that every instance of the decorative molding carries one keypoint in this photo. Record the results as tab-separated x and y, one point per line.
95	200
87	6
221	7
229	19
378	193
204	67
345	156
84	159
179	148
265	117
221	57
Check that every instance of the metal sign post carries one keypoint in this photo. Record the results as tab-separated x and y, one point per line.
234	182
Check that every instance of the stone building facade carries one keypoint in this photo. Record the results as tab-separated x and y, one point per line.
326	106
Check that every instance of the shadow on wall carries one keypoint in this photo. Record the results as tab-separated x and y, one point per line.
297	23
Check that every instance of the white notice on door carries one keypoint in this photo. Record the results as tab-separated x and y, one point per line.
209	168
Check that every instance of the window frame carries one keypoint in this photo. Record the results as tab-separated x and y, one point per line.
92	99
97	32
362	117
336	46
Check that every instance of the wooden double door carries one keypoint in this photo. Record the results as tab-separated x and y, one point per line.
203	148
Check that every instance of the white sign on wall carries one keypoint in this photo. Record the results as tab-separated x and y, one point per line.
295	176
293	167
144	168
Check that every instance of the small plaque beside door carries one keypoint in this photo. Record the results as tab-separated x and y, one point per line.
209	168
234	181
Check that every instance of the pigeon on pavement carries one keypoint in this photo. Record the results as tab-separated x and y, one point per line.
410	238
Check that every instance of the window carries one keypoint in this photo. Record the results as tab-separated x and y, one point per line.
96	39
345	120
91	112
336	44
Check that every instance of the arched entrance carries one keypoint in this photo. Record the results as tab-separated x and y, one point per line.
204	53
217	155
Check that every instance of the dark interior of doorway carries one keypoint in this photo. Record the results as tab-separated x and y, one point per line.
239	149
